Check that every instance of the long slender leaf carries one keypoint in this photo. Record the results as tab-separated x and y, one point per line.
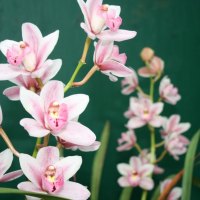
99	163
34	194
156	193
126	193
188	167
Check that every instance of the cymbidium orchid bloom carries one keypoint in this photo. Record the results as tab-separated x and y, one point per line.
127	141
168	92
30	83
130	83
174	194
135	174
145	157
109	61
93	147
55	114
173	125
98	17
154	69
49	174
145	112
29	57
6	158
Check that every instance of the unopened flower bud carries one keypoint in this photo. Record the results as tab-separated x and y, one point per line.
147	54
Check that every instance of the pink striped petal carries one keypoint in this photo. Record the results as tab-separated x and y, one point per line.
34	128
70	165
31	35
12	93
31	169
118	36
47	45
76	104
77	134
146	72
33	104
52	91
157	121
7	44
6	158
157	108
135	163
124	169
172	122
123	181
11	176
48	156
146	170
8	72
146	183
75	191
135	122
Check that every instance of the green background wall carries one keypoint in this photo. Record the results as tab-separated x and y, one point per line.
171	27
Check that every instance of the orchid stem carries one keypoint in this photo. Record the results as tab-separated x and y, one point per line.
80	64
35	151
87	77
137	146
160	144
8	142
164	153
139	89
144	195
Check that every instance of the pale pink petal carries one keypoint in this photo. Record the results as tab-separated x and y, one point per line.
172	122
157	108
146	72
8	72
1	116
157	121
158	170
11	176
76	104
118	36
77	134
93	147
136	163
88	31
146	170
164	184
124	169
32	103
46	46
75	191
31	35
31	169
70	165
48	156
6	158
51	92
123	182
12	93
34	128
146	183
51	70
92	5
182	127
7	44
115	68
175	194
135	122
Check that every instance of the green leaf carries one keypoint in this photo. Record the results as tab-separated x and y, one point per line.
99	163
34	194
188	167
196	182
126	193
156	193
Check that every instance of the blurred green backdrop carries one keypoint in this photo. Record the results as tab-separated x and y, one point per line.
171	27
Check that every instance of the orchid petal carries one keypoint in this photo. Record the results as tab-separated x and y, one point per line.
1	116
146	72
135	122
175	194
124	169
6	158
7	44
8	72
70	165
146	170
123	181
135	163
118	36
11	176
157	121
77	134
93	147
34	128
146	183
76	104
88	31
12	93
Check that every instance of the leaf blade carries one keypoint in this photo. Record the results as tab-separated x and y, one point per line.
126	193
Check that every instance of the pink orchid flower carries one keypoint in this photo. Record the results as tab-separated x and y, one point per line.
1	116
55	114
109	61
168	92
145	112
30	83
130	83
145	157
135	174
99	17
175	193
155	68
49	174
93	147
6	158
28	57
127	141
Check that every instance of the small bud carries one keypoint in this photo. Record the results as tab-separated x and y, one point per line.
147	54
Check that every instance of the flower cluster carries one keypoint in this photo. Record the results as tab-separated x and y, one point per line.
30	69
144	110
